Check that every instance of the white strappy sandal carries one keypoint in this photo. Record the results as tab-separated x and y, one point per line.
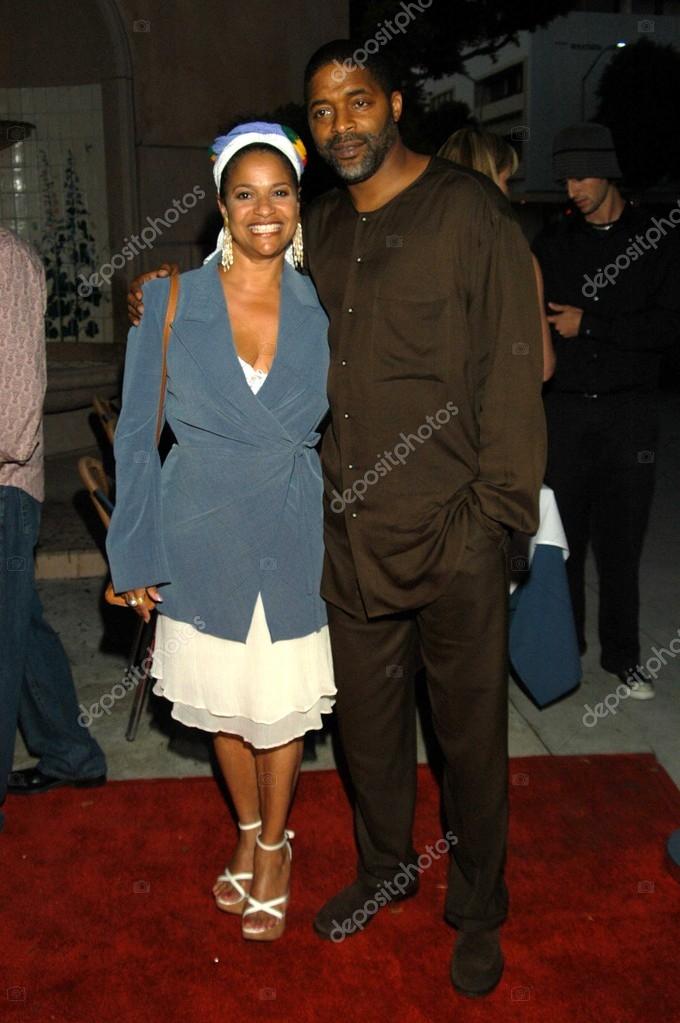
236	906
271	906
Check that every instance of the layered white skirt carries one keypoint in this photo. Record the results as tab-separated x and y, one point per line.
267	693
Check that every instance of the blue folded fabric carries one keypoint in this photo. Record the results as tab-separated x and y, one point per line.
543	645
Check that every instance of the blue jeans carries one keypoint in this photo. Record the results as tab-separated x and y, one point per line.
36	685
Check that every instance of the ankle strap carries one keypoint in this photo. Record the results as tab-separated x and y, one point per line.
287	835
249	827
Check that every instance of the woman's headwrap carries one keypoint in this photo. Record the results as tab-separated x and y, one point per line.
278	136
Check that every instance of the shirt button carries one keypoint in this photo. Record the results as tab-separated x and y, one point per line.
597	298
358	259
344	362
351	465
354	515
346	415
350	310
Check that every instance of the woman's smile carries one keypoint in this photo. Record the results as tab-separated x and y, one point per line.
273	228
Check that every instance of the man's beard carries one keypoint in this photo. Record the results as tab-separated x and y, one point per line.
377	148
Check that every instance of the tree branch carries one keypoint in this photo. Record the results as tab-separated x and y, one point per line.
490	49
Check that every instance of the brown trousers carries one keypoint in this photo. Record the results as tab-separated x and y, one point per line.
462	641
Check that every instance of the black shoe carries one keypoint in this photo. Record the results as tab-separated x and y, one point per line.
349	911
31	779
477	963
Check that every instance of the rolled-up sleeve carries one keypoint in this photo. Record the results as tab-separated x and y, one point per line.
135	542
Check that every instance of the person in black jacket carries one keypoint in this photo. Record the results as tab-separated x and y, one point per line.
612	280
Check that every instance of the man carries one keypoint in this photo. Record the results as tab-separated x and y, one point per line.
429	287
612	275
36	687
435	448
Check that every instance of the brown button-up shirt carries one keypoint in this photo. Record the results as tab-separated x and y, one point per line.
434	383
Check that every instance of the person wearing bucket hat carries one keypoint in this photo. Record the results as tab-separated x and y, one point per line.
585	151
612	281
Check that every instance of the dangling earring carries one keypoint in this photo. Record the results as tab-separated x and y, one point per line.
298	248
227	248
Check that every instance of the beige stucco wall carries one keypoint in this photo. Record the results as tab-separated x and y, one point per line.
202	61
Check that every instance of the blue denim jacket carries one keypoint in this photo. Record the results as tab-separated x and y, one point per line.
236	509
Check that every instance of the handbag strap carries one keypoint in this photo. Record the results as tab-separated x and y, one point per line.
169	317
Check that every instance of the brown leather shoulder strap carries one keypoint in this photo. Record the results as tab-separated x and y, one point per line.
169	317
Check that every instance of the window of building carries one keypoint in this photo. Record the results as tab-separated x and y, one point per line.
509	82
449	96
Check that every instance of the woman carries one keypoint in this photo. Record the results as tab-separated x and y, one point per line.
490	154
226	537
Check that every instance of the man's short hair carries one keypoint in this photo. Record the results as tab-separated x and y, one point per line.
344	52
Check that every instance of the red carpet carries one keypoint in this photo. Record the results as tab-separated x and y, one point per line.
107	913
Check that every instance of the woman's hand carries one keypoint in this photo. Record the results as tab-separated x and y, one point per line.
143	600
135	304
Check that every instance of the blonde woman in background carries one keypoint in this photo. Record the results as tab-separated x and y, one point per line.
490	154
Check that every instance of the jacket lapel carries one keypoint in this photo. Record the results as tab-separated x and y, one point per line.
202	327
289	362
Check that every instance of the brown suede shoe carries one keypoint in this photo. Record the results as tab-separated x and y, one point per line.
477	962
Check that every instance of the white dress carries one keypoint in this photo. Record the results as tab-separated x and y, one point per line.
268	693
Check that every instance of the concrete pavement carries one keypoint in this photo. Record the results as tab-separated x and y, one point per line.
166	749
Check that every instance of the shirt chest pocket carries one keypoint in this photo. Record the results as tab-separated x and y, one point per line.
409	338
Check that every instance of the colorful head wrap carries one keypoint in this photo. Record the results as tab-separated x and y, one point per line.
278	136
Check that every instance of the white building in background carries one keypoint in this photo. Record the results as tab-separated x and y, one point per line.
549	80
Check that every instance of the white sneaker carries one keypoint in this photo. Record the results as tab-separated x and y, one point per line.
640	684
